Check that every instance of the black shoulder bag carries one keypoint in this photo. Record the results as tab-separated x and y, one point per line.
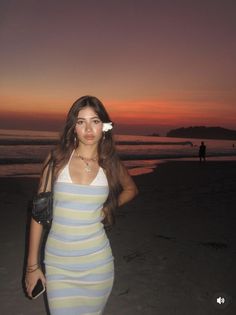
43	202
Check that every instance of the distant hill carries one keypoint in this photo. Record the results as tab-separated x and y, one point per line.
203	132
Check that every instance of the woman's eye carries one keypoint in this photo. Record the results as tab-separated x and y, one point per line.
80	122
97	121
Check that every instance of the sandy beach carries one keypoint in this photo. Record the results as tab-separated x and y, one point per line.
174	245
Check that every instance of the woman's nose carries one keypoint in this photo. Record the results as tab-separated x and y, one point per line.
88	127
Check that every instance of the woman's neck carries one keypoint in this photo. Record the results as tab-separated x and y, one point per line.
88	152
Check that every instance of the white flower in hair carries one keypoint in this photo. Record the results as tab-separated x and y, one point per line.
107	126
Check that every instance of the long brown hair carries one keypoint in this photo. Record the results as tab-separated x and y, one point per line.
108	158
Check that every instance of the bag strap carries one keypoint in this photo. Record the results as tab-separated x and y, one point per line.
49	170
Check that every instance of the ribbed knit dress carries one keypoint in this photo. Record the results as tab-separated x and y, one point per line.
78	258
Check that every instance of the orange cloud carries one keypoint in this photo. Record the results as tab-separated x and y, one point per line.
172	112
142	112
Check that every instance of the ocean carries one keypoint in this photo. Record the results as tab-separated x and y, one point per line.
22	152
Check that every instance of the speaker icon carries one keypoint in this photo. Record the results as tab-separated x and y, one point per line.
221	300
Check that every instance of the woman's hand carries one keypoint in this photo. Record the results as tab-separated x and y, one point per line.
31	279
107	218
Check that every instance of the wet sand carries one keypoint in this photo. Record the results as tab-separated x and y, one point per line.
174	245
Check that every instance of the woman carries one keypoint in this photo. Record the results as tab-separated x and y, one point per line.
89	183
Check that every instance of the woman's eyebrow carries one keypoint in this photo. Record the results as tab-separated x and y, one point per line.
87	117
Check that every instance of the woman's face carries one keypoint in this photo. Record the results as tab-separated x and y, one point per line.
89	126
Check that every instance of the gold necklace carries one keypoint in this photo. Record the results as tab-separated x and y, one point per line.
86	161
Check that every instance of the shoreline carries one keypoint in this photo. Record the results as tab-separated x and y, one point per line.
136	167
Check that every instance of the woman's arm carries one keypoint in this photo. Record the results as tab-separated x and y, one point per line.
33	271
129	189
34	242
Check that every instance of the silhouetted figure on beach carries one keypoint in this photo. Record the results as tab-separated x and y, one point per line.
202	152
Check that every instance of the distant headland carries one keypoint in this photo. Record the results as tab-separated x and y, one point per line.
203	132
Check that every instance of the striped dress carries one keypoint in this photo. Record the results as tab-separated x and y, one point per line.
78	258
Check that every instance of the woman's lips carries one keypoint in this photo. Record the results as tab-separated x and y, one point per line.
89	137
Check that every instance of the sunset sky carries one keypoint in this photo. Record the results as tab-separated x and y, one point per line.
155	64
